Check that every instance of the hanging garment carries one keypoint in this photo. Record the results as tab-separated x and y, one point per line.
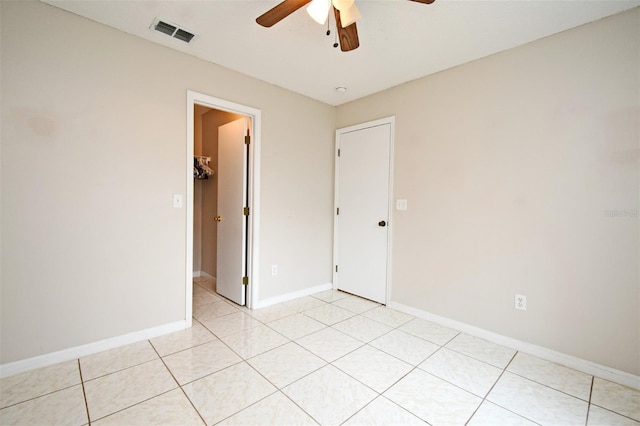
201	169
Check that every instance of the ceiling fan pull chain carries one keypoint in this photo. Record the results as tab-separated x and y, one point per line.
328	21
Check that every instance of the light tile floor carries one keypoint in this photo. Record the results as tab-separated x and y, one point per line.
329	359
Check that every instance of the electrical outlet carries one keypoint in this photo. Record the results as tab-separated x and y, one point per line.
274	270
521	302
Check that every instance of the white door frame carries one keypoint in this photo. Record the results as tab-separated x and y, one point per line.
392	122
253	234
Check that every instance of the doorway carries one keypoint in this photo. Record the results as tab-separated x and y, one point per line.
362	224
205	116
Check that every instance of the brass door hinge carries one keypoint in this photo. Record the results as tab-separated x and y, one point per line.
245	280
246	211
247	140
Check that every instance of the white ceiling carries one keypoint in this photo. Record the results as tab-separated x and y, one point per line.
400	40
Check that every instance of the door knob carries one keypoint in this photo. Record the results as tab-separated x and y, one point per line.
382	223
218	218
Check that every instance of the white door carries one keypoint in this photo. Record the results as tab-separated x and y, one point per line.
362	214
232	195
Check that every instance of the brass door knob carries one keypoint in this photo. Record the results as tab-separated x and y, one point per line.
218	219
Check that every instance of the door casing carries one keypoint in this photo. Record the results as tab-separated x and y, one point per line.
253	234
382	121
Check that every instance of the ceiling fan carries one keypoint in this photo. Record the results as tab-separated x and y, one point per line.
345	11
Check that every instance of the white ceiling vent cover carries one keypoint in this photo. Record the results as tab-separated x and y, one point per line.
172	30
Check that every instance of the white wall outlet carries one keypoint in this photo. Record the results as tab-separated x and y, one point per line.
401	204
177	201
521	302
274	270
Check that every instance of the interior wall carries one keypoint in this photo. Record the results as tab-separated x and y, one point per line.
197	193
210	123
521	174
91	245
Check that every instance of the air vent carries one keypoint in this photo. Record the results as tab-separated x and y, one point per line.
172	30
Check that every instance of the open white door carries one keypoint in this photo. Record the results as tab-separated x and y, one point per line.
362	214
232	196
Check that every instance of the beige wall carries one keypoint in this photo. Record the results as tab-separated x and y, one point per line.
509	165
93	147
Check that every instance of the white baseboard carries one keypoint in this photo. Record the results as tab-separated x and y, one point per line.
16	367
608	373
293	295
205	275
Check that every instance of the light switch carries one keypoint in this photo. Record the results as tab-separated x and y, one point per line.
177	201
401	204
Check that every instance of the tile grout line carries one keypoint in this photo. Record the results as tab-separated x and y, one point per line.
84	393
586	421
179	385
504	370
484	398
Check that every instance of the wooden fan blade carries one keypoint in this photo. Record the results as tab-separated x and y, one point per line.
348	36
280	11
424	1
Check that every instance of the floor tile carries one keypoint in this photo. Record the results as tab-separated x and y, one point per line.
329	314
226	325
388	316
362	328
212	310
496	355
330	296
536	402
553	375
169	409
490	414
408	348
181	340
467	373
382	412
286	364
296	326
615	397
373	367
24	386
432	399
203	297
275	409
329	344
601	417
197	362
430	331
64	407
125	388
272	313
226	392
117	359
329	395
304	303
357	305
254	341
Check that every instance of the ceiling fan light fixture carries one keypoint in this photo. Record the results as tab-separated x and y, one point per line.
349	16
319	10
342	4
